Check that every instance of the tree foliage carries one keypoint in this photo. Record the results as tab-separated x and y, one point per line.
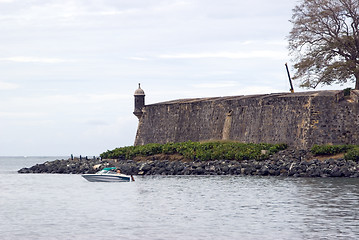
324	41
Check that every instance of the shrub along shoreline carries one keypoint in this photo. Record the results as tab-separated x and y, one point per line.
351	152
215	158
211	150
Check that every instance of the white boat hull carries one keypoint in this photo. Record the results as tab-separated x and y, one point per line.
107	178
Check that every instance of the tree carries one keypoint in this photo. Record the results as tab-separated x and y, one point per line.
324	41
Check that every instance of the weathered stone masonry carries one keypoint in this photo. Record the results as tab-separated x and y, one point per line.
298	119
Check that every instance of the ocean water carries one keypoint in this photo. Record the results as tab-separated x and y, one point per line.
46	206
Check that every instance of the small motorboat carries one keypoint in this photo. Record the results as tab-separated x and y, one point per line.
108	175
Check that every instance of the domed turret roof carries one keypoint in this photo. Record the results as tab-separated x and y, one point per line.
139	91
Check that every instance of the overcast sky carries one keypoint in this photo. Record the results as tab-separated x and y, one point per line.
69	68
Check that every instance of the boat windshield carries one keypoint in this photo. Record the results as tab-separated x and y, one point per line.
111	170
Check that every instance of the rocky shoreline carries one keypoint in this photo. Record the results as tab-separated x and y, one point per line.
294	163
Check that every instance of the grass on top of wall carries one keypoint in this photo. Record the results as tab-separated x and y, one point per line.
211	150
351	152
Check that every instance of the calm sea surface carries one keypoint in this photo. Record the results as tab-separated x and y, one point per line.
45	206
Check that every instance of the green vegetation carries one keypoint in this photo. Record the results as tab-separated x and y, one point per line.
330	149
351	152
216	150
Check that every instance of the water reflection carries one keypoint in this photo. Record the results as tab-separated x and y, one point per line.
259	207
329	206
173	207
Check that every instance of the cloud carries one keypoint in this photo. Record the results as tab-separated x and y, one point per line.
249	90
138	58
96	122
8	86
66	11
108	128
229	55
22	59
177	49
277	43
106	97
18	115
68	99
222	84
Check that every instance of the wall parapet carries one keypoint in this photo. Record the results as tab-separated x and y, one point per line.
299	119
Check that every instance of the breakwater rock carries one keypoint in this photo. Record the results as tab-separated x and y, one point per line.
285	163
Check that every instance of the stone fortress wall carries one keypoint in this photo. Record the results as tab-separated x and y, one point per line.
299	119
